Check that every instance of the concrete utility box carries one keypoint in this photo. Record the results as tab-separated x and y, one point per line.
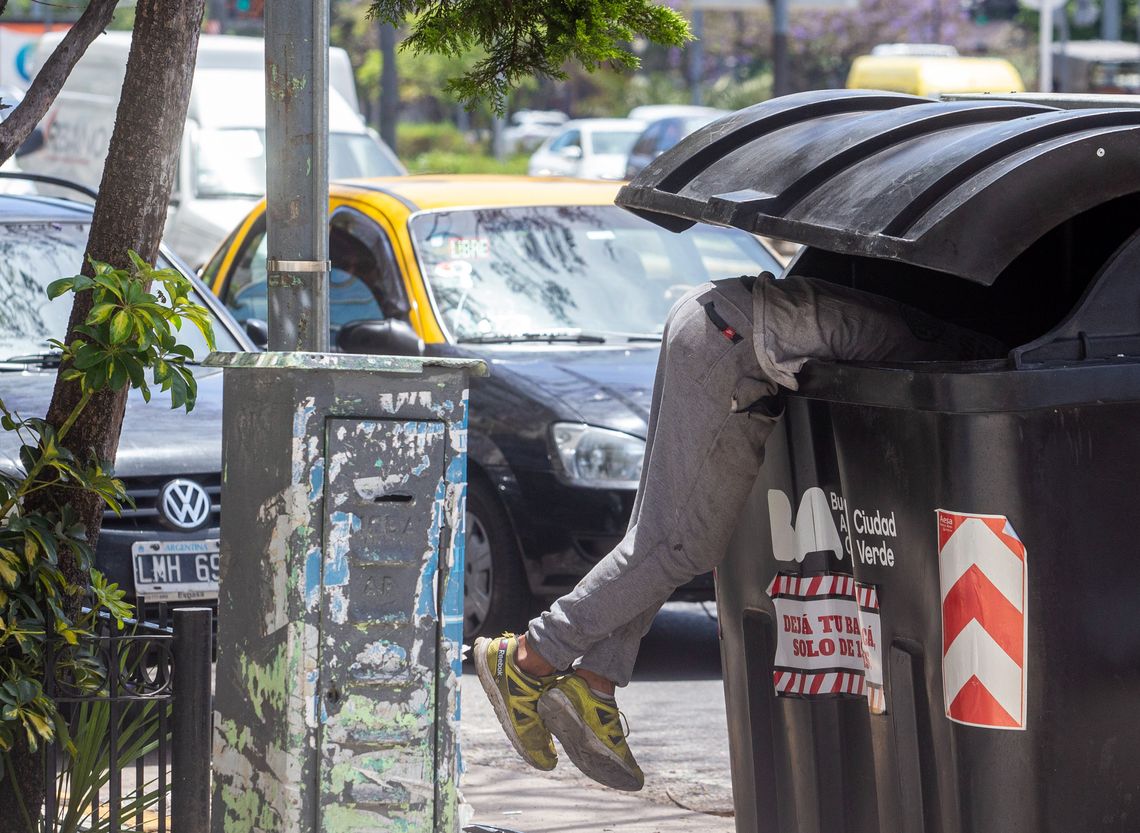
341	600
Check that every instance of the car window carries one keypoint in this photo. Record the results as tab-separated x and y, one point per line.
647	142
364	280
32	255
231	161
613	141
571	138
672	133
245	292
542	269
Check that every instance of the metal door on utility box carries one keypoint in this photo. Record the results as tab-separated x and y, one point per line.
379	630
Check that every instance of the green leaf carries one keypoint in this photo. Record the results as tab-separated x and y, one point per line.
100	313
118	376
120	327
59	287
111	282
8	574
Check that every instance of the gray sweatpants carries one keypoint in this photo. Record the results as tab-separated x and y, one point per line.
710	416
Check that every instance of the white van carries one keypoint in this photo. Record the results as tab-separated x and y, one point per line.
221	168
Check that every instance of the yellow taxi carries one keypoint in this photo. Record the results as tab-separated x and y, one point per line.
565	296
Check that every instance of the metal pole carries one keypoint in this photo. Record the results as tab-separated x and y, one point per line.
297	173
389	87
1045	46
781	84
190	721
696	55
498	147
1110	19
936	22
216	17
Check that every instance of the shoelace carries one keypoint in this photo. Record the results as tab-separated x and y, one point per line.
624	724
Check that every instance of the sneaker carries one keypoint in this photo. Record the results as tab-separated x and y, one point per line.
590	730
514	695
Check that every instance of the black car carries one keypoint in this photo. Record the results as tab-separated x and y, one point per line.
565	296
165	548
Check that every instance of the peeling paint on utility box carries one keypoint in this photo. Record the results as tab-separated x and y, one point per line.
340	608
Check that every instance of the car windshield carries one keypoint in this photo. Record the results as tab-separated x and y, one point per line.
565	270
613	141
32	255
231	162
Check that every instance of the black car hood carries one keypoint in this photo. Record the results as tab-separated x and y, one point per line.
607	386
156	440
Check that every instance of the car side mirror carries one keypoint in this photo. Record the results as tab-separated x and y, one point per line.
571	152
34	142
390	337
258	332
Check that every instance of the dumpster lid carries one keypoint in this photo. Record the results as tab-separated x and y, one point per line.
961	187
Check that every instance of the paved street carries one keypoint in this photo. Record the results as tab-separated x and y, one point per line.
675	709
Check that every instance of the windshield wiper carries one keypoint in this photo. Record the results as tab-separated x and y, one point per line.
551	337
22	362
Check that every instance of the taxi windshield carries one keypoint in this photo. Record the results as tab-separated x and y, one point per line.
564	269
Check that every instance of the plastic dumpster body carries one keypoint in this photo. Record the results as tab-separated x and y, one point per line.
929	606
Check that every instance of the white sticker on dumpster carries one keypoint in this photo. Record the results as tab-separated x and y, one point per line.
828	638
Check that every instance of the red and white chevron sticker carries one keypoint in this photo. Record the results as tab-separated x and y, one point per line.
984	582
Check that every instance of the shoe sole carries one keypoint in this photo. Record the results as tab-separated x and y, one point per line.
585	749
499	703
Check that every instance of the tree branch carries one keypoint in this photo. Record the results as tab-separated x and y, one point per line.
48	81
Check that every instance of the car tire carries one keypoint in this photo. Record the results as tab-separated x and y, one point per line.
496	597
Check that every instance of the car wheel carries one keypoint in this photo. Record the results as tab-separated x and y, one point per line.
495	592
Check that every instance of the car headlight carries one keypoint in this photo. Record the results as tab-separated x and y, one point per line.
598	457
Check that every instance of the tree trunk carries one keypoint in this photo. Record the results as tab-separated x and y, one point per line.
133	199
134	196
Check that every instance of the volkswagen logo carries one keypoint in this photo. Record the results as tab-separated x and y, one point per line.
183	504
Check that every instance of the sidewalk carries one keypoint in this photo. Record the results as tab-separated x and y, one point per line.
541	804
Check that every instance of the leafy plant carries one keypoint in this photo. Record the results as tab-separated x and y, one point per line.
130	333
529	37
87	763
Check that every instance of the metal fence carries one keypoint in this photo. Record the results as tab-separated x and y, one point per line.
139	757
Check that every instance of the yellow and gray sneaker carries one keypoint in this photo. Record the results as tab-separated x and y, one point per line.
514	695
589	727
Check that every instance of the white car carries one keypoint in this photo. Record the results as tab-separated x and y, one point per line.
587	148
529	128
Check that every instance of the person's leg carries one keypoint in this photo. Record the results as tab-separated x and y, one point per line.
699	366
702	457
703	450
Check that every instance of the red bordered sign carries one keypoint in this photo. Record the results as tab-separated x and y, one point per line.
828	638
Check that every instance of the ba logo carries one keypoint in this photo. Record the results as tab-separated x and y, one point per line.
814	529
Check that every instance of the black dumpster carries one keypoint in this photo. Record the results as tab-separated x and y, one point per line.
931	607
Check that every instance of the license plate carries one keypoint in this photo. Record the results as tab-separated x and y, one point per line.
176	571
